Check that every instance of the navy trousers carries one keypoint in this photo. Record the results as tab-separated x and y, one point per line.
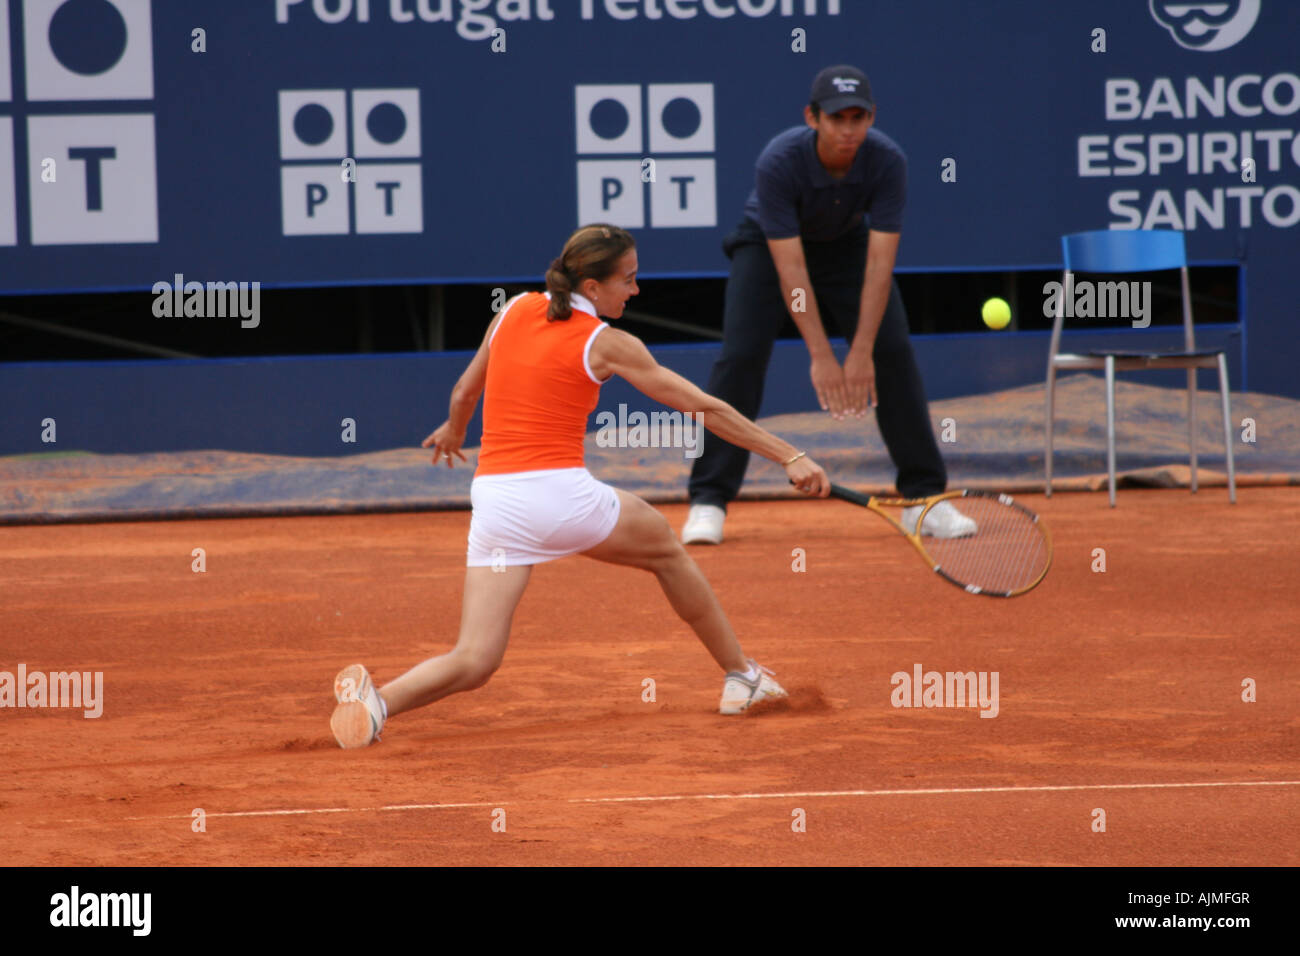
753	316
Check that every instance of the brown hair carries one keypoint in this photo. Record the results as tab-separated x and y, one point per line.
591	253
817	110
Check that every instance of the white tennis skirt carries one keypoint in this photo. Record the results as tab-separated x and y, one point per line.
533	516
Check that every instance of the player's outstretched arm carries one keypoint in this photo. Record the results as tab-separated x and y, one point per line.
617	353
447	438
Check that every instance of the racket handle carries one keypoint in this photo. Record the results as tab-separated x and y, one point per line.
848	494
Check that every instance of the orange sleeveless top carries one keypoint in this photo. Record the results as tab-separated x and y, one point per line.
540	390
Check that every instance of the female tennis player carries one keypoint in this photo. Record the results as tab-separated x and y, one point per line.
541	365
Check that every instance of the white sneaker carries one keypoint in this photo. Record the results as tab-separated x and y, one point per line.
739	693
360	714
943	521
703	525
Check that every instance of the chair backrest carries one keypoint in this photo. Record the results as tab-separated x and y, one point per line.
1123	250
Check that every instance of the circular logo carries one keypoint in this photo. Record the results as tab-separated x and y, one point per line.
87	36
1206	25
386	123
312	124
681	118
608	119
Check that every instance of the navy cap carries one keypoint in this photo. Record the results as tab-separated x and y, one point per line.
842	87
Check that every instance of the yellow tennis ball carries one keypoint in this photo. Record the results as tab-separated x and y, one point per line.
996	313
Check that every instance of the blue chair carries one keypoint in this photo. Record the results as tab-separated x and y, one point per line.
1134	250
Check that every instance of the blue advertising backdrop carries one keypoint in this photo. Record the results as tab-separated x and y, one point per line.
317	142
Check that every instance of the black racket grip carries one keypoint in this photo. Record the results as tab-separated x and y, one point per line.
848	494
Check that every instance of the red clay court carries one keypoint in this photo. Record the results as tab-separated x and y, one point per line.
1119	690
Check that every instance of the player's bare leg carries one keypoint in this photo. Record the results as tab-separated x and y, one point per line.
643	539
491	596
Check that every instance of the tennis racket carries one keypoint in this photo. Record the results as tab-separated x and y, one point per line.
1008	553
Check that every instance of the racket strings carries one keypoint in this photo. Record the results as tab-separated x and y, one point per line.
995	570
1008	552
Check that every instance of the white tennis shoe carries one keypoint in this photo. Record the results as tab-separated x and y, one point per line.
703	525
943	521
361	712
739	693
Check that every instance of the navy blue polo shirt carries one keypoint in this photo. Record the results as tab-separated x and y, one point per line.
794	195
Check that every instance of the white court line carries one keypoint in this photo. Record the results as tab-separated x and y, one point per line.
746	796
292	813
894	793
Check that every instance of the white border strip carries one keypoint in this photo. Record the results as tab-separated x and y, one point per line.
586	353
745	796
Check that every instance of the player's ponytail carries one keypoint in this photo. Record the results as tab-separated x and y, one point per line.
592	252
559	285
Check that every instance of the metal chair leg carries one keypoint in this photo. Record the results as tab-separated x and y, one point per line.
1191	421
1227	427
1051	412
1110	424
